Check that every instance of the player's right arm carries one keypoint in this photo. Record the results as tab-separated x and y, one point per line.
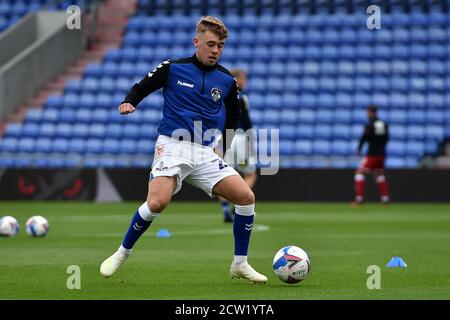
363	139
154	80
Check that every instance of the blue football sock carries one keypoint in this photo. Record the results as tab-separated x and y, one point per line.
137	227
242	229
226	209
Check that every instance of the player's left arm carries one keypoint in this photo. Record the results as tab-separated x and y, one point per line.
232	114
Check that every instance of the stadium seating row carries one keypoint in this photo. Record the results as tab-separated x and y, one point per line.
105	161
431	85
302	128
277	98
129	146
292	36
309	67
300	20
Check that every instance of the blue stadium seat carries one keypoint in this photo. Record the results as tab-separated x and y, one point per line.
415	116
292	84
50	115
13	130
309	84
321	147
436	84
97	131
80	130
435	101
94	70
341	131
127	146
111	146
131	131
416	100
414	149
69	101
288	132
303	147
33	116
63	130
43	145
112	55
415	132
434	132
47	130
397	132
74	86
340	148
84	115
60	145
431	147
311	68
94	145
286	147
399	67
331	36
395	162
343	100
271	116
286	116
322	131
397	116
30	130
54	102
145	146
346	52
396	148
77	145
9	144
305	131
307	116
89	85
26	145
359	116
398	100
398	83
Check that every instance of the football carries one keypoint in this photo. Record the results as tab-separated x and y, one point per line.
37	226
291	264
9	226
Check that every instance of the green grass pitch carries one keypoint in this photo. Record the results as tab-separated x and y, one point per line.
194	262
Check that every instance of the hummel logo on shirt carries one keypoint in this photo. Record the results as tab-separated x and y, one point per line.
185	84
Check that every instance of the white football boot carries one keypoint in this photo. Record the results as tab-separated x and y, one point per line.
245	271
110	265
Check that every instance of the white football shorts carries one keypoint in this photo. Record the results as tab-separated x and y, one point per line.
197	164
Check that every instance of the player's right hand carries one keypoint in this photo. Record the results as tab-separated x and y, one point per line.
126	108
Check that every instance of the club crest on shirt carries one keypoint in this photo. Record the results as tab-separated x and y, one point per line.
161	167
159	150
216	93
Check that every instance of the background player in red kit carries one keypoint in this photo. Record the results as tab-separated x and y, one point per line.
377	135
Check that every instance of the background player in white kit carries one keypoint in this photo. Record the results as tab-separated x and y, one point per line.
242	153
196	88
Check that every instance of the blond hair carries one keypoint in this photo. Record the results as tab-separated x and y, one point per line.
212	24
238	72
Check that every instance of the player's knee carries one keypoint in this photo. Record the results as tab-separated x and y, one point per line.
156	204
247	198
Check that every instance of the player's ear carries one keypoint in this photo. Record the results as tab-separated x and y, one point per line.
195	42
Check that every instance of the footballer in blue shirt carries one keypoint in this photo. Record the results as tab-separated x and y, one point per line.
200	98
